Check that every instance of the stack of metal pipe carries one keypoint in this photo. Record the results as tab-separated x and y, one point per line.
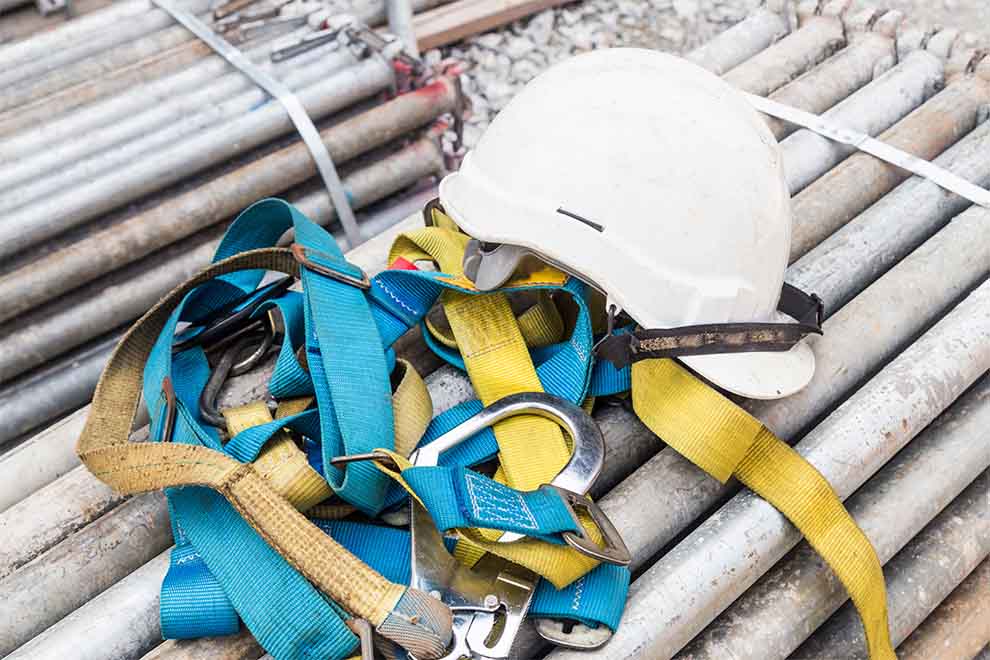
125	151
895	417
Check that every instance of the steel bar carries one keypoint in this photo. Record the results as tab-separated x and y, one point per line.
122	622
59	103
778	613
37	462
769	70
201	207
745	39
861	180
226	99
400	23
747	536
959	627
60	386
67	75
84	120
70	33
884	233
73	207
871	110
138	24
919	578
871	52
33	596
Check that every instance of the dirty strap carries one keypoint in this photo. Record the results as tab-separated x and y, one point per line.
725	441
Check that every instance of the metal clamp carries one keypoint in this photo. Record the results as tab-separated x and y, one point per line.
302	255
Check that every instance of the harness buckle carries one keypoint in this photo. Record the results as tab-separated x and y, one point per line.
303	254
614	551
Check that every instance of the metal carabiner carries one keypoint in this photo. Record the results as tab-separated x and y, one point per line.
478	595
236	360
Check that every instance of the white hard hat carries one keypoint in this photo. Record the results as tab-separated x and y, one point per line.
653	180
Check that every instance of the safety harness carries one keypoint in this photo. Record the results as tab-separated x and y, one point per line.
243	548
257	493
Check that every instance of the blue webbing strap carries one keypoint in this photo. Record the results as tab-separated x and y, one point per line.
400	299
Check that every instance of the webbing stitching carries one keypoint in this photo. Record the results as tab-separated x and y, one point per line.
394	297
500	501
578	592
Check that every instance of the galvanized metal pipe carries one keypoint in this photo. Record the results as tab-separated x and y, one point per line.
871	52
728	552
47	456
779	612
859	181
60	386
959	628
871	110
72	32
888	230
43	110
122	622
919	578
769	70
47	218
745	39
118	146
223	197
400	23
138	22
125	105
45	590
69	74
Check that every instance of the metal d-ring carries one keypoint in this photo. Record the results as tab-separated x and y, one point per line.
232	364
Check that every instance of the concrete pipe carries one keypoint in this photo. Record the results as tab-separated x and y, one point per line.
206	205
777	614
819	37
745	39
959	627
722	557
918	579
861	180
871	52
871	110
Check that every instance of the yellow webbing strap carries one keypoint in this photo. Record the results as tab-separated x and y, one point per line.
724	440
532	450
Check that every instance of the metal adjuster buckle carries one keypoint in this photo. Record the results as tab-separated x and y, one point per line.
302	255
614	550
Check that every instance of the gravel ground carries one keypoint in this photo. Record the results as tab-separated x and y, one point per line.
504	60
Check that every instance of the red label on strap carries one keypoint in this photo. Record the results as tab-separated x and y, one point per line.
402	264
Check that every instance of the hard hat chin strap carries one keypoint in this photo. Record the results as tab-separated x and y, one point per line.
807	309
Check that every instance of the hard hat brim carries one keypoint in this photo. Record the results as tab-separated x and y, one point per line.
764	375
